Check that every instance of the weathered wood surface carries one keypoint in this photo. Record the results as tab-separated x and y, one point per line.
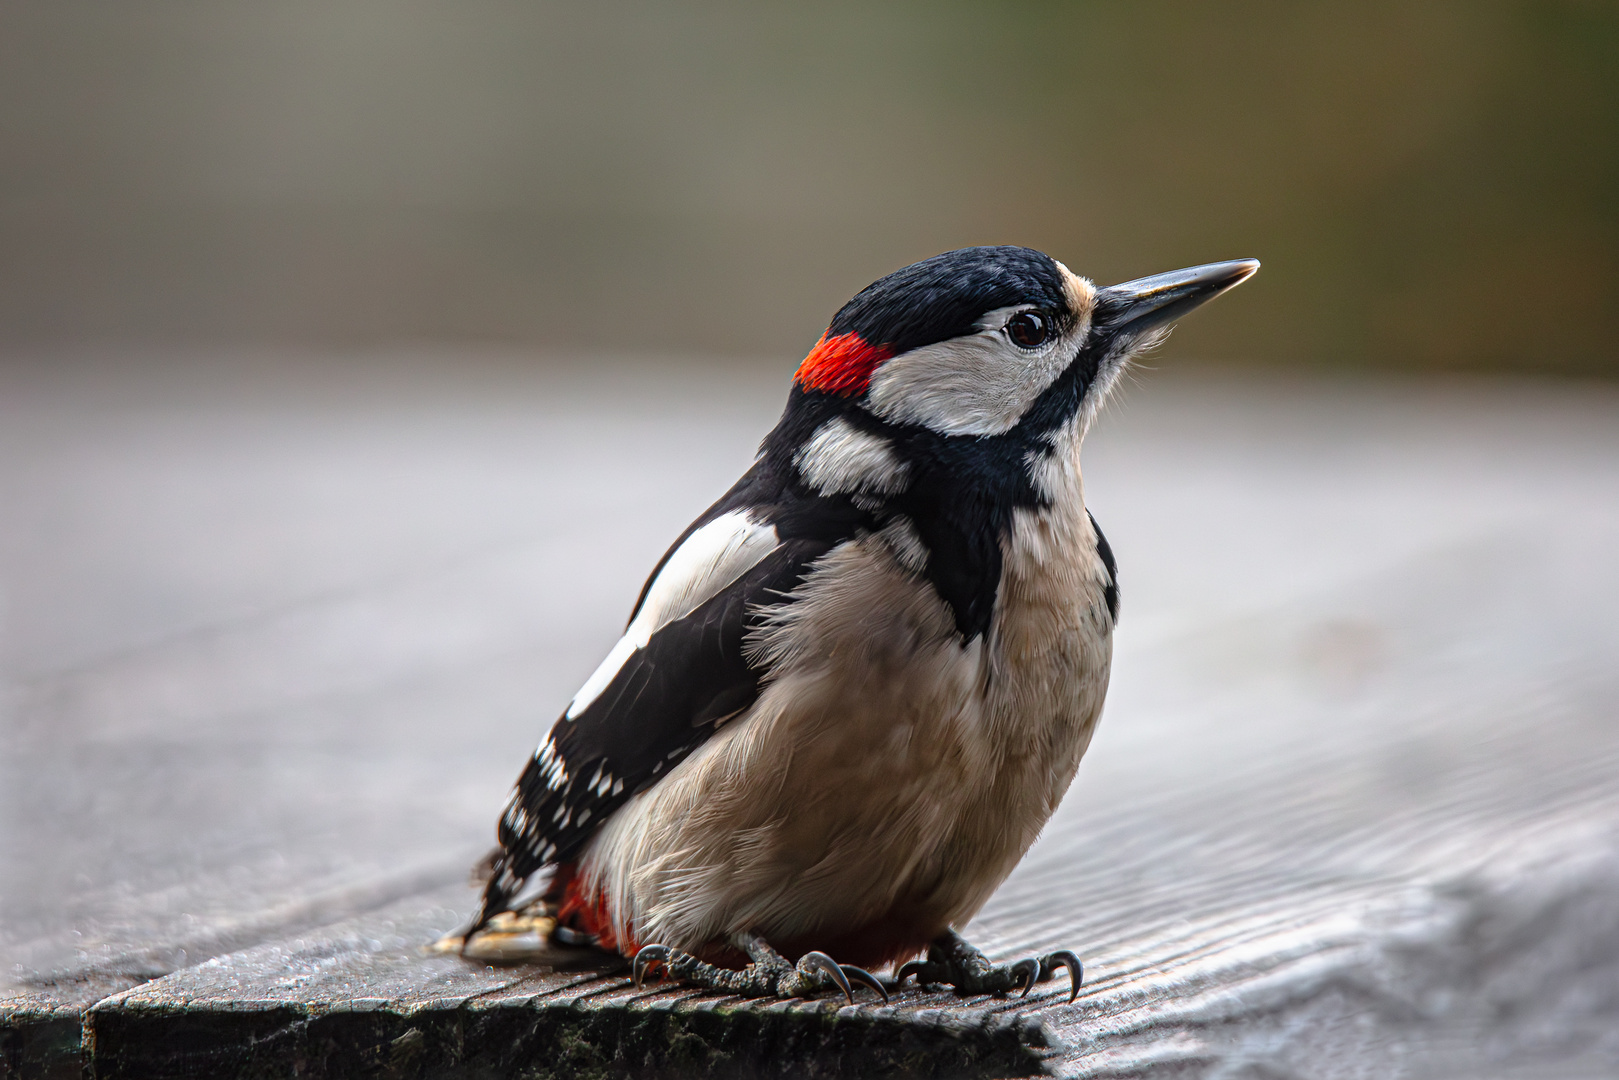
275	645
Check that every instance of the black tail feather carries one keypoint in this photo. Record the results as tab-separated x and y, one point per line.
503	884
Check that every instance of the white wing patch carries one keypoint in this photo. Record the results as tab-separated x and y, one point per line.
840	458
709	560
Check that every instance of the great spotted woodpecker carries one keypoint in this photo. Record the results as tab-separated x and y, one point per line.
855	689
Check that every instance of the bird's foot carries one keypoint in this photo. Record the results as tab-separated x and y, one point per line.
769	975
952	960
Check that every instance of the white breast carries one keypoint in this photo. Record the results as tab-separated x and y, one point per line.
886	766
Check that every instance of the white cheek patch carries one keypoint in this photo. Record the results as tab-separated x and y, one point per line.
707	562
976	384
841	459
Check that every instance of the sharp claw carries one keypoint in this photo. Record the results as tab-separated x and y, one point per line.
1026	971
1076	971
819	961
906	970
864	978
644	959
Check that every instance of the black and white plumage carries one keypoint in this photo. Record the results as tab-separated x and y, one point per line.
857	686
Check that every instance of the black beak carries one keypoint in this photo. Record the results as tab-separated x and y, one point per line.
1135	307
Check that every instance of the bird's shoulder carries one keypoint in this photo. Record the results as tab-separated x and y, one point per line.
681	668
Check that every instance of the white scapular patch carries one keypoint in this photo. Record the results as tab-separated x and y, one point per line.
840	458
709	560
980	383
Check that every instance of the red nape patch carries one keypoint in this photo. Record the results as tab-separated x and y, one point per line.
841	364
584	913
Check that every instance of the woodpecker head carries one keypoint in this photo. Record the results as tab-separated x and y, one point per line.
968	342
983	360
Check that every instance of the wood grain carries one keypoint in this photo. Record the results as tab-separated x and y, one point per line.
1353	810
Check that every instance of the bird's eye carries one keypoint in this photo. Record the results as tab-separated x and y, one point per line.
1029	329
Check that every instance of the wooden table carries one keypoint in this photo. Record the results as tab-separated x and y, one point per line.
280	631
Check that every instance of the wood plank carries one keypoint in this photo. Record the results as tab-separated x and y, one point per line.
1320	899
363	996
1356	797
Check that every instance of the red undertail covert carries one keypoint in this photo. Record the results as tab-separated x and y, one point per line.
585	913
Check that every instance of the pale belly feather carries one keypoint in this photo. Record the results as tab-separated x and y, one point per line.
887	768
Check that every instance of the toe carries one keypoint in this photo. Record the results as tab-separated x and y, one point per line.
927	972
907	969
817	966
647	956
1064	959
1023	974
864	978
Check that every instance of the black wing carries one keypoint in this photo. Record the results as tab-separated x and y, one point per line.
664	702
668	696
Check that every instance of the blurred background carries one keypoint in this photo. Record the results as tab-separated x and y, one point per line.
1430	185
358	359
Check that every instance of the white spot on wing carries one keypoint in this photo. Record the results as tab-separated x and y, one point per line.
556	770
707	562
